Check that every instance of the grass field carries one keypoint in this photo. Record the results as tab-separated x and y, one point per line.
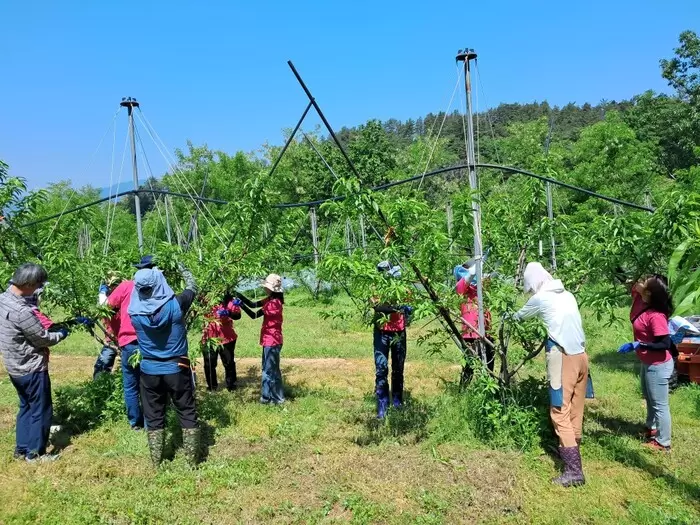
323	458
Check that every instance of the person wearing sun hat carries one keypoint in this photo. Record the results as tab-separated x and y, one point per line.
270	309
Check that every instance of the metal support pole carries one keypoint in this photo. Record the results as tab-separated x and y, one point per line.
363	235
347	237
467	56
550	214
314	233
167	219
291	138
448	212
131	103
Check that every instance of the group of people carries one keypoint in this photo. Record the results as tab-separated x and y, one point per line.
147	323
149	319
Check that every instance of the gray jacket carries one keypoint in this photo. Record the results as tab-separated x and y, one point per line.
23	340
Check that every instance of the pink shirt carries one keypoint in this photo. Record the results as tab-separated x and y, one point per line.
271	331
470	310
119	300
46	323
647	325
221	327
396	323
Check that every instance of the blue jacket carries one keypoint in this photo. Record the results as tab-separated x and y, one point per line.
162	338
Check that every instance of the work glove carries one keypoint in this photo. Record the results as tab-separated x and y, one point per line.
223	312
628	347
63	332
84	321
104	288
236	302
508	316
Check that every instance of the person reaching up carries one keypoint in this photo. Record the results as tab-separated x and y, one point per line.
270	309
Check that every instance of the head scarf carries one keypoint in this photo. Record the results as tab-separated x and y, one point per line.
151	292
534	277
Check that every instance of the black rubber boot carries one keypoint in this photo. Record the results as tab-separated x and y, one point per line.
573	471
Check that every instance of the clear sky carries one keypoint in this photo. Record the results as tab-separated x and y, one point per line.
215	72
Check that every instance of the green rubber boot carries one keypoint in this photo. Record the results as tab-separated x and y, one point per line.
190	445
156	442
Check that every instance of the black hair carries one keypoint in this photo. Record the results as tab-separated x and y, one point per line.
29	274
660	299
278	295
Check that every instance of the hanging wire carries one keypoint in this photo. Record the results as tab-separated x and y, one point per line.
72	191
150	176
110	222
437	139
174	170
488	112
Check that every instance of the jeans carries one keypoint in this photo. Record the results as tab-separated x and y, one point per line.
105	361
386	343
35	413
155	391
131	376
655	391
227	359
272	386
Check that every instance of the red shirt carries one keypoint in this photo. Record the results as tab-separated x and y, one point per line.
396	323
470	310
119	300
46	323
271	331
647	325
221	327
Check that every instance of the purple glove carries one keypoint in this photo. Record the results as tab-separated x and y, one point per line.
236	302
223	312
63	332
628	347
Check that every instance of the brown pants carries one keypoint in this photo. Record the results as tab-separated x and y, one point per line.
568	419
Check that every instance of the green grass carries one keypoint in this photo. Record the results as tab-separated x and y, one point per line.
323	458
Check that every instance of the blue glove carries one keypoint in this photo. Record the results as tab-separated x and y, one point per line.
236	302
223	312
63	332
104	289
628	347
84	321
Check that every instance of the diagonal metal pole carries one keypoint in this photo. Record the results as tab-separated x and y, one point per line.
444	312
291	138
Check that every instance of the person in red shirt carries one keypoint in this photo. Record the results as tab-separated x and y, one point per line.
219	338
652	306
466	288
270	309
119	301
390	323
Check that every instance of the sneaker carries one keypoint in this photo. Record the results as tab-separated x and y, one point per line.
136	428
655	445
19	455
44	458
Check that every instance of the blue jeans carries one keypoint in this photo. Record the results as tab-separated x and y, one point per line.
35	413
272	386
655	391
105	361
386	343
131	376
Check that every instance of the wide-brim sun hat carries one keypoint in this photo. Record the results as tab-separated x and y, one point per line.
273	282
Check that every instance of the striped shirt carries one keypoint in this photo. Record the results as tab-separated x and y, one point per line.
23	340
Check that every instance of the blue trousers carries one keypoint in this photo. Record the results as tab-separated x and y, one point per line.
35	413
655	391
131	376
272	386
386	343
105	361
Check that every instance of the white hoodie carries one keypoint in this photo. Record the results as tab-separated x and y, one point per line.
559	311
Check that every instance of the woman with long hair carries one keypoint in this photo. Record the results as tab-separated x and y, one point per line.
652	306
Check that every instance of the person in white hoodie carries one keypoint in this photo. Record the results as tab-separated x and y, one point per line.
567	363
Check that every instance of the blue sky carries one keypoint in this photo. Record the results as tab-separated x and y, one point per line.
215	72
